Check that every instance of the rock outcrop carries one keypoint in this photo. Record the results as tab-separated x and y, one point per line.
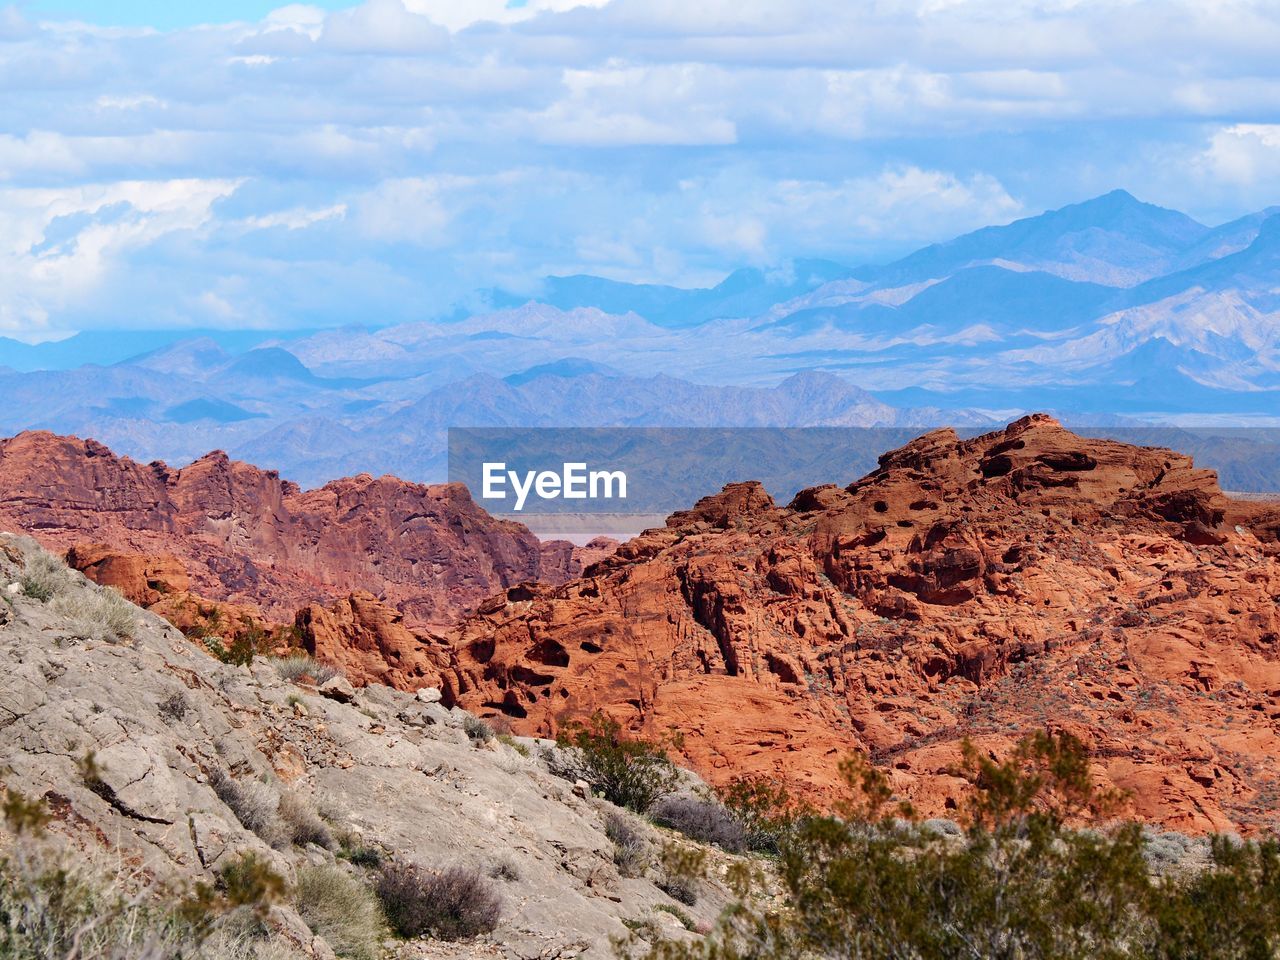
1025	579
395	775
244	535
369	643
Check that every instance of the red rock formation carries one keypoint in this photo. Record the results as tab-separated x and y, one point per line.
369	643
142	580
247	537
1023	580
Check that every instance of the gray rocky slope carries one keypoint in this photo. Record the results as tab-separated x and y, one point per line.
161	718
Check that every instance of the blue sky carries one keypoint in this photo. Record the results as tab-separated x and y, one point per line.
293	165
161	14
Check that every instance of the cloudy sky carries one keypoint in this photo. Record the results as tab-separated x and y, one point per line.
164	165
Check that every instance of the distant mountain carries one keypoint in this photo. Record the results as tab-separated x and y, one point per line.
105	347
744	293
1114	239
1110	307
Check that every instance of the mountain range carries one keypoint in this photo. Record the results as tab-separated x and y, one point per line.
1106	311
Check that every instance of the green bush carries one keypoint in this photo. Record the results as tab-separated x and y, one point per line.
1021	882
627	771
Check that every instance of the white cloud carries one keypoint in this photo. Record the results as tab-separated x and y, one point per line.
60	244
1244	153
383	27
422	148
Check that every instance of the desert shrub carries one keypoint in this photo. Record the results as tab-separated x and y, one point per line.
477	729
239	652
627	771
254	804
630	849
451	904
360	854
53	904
504	869
173	707
298	666
703	820
1020	882
302	823
97	613
44	576
682	869
341	909
764	810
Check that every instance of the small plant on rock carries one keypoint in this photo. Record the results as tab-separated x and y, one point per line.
627	771
452	904
630	851
476	729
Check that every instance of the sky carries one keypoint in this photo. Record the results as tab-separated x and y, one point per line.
245	165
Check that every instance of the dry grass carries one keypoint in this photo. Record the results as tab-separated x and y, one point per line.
342	909
254	804
98	614
298	666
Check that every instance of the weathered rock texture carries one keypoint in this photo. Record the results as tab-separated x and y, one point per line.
1022	580
387	770
244	535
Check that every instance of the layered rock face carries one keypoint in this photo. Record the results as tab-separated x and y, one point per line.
244	535
982	589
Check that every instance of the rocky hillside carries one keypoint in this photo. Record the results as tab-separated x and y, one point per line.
1026	579
245	535
152	756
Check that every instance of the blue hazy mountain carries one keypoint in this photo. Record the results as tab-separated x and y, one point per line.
105	347
744	293
1111	307
1114	239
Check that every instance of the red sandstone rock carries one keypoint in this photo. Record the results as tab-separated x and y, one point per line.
981	589
142	580
247	537
369	643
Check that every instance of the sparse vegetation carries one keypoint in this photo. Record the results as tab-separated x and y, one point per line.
476	729
173	707
627	771
1019	882
682	868
54	905
513	743
453	904
93	613
342	909
504	869
97	614
44	576
302	666
630	850
703	820
685	920
255	805
302	823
